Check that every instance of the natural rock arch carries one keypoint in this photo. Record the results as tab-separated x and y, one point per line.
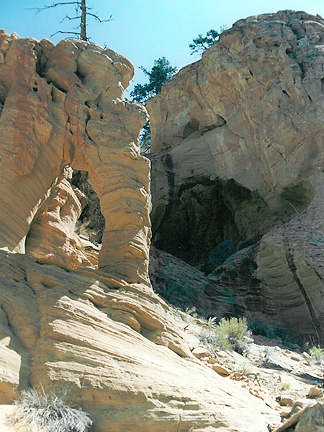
64	105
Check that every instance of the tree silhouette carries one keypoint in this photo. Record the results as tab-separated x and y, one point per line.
160	73
81	13
201	43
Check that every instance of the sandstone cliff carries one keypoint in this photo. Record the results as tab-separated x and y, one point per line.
237	149
63	105
99	334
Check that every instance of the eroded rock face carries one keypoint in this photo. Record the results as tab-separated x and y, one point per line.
237	136
101	336
237	157
63	105
116	349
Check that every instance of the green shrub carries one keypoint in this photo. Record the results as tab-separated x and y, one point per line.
211	323
284	386
244	368
230	332
316	354
49	413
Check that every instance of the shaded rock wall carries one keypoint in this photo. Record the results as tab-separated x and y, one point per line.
63	105
237	155
243	125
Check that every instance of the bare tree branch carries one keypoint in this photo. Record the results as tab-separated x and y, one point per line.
70	18
81	11
66	32
53	6
99	19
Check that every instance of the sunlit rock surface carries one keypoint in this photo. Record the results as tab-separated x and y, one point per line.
99	336
237	149
64	105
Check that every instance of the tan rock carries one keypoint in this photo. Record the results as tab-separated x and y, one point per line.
286	402
51	238
236	150
101	335
221	370
215	122
293	419
239	376
118	351
77	116
314	392
201	352
285	413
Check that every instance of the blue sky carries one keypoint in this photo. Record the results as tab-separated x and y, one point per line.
144	30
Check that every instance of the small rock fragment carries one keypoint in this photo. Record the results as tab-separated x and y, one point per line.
200	352
286	402
221	370
314	393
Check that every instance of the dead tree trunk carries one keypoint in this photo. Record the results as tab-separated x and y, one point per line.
80	5
83	33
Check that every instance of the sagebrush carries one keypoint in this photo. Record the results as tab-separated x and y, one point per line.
316	354
230	332
227	334
50	413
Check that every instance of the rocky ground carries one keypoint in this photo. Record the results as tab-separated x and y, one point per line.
289	381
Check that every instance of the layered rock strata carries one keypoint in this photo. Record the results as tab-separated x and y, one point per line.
237	136
115	349
99	336
237	153
63	105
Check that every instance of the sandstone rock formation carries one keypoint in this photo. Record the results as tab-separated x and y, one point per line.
237	149
63	105
100	335
117	349
241	131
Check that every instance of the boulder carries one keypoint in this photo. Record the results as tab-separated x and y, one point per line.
312	419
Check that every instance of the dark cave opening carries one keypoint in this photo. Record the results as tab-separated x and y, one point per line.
91	222
200	217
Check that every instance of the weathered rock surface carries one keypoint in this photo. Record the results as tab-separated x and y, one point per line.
51	237
116	348
237	136
237	151
100	335
312	420
186	287
63	105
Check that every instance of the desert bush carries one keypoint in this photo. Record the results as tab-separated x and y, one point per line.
230	333
244	368
227	334
316	354
211	323
50	413
284	386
